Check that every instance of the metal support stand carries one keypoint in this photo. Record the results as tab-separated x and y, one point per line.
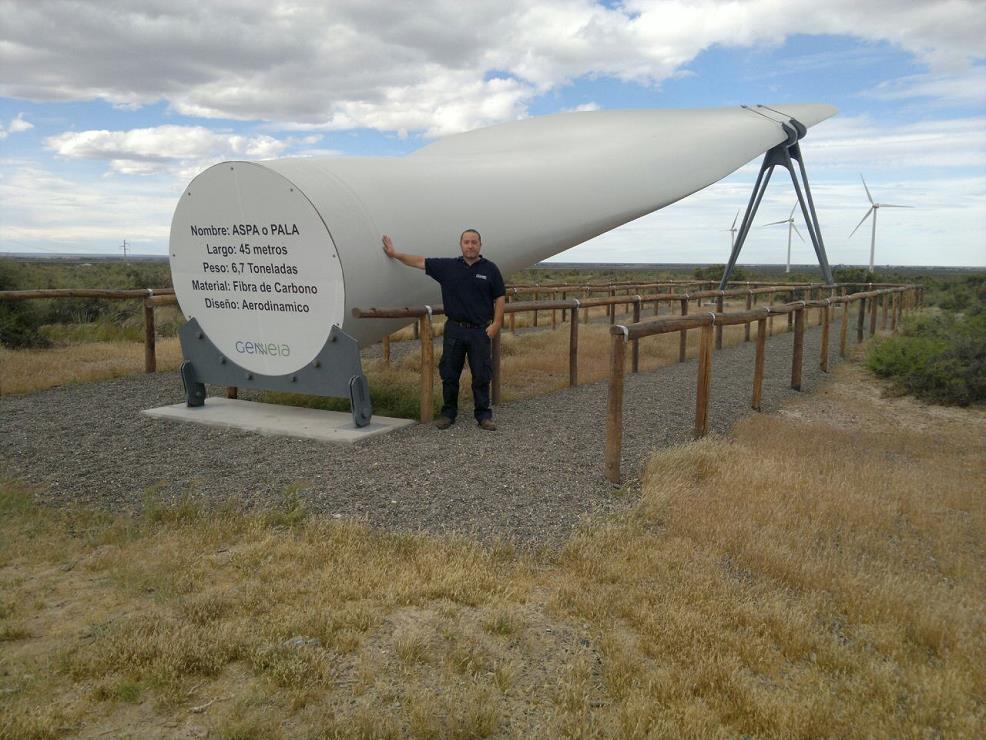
335	371
784	154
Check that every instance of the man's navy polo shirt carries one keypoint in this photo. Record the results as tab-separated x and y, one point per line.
468	291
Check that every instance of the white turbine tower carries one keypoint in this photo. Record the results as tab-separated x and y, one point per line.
790	227
874	207
732	231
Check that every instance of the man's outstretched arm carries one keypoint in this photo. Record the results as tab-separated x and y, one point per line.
411	260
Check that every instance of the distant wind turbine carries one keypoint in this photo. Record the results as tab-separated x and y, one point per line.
874	207
790	226
732	231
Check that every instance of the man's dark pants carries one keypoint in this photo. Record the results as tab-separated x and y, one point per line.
460	342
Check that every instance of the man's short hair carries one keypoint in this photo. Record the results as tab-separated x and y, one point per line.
474	231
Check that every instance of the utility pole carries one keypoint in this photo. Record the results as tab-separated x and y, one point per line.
124	248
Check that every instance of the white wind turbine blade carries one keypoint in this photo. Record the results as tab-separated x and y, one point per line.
773	223
870	197
797	232
734	222
792	210
861	221
891	205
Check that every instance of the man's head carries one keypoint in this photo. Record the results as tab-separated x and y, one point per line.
470	242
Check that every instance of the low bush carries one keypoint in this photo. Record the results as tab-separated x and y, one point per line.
938	357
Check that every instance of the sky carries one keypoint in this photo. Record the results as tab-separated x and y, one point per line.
108	108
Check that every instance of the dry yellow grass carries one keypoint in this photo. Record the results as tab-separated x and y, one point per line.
819	573
29	370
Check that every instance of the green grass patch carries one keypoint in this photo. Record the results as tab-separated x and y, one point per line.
938	357
390	397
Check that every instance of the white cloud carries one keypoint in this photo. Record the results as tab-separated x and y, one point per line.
583	107
861	143
147	150
964	86
16	126
50	211
433	66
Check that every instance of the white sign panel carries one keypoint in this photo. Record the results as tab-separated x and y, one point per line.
253	262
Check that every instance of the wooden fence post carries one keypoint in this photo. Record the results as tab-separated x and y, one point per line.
150	351
537	296
612	308
496	355
861	320
427	367
614	412
232	391
843	329
749	306
770	302
513	318
720	305
635	362
703	386
824	360
759	362
797	356
873	308
884	301
386	350
683	341
573	347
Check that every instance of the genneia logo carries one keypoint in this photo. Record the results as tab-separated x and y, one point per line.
245	347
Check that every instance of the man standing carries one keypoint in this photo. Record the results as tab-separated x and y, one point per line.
473	295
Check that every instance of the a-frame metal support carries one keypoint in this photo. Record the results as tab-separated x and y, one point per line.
784	154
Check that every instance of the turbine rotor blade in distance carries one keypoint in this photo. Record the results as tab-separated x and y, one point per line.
792	210
773	223
891	205
861	221
734	222
870	197
797	232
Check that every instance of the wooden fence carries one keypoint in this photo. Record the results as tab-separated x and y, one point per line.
568	309
895	299
575	306
151	297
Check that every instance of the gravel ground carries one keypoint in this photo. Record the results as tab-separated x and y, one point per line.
530	482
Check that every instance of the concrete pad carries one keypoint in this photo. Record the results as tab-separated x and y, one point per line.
268	418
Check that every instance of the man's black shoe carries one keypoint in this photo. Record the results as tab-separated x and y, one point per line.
443	422
488	425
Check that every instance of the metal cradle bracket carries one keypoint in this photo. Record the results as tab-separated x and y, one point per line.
784	154
335	371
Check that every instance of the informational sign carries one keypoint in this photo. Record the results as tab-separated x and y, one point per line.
253	261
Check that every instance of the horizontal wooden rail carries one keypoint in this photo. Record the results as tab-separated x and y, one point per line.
162	300
23	295
409	312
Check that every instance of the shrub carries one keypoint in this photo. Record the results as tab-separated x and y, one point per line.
938	357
